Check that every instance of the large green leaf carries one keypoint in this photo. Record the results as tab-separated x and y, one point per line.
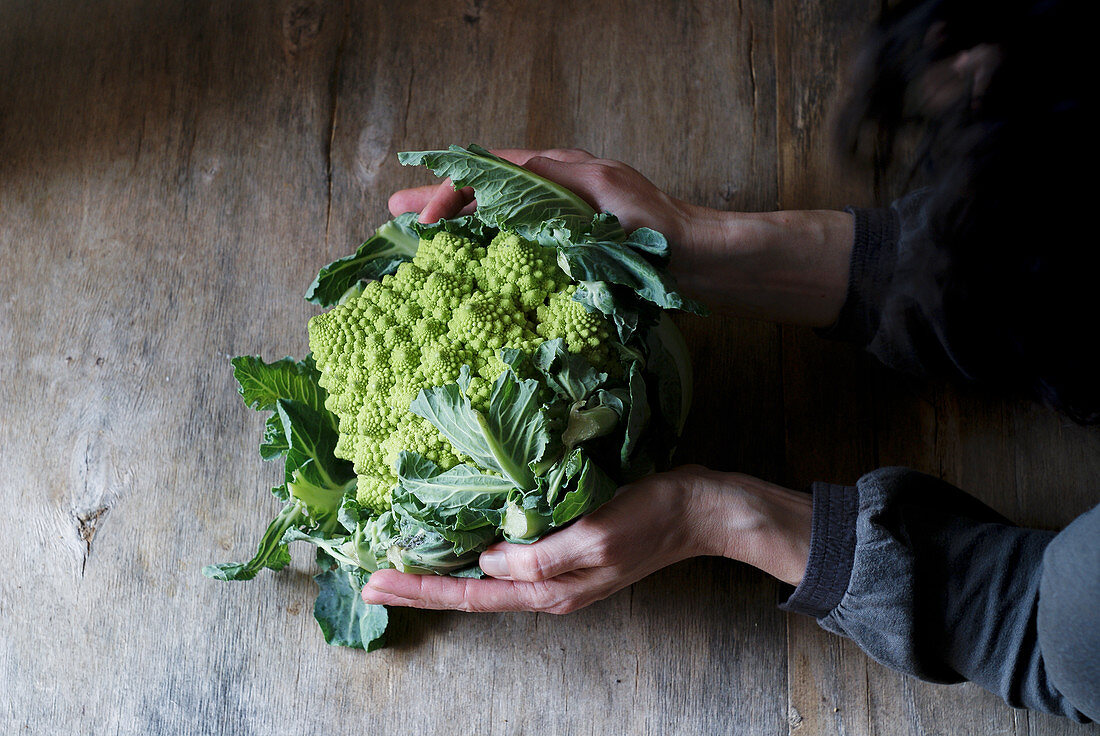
391	245
506	439
508	196
620	263
344	618
462	504
315	477
262	384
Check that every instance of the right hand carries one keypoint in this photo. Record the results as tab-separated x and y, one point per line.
651	523
607	185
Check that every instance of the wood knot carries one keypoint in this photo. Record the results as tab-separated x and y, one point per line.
302	23
473	15
86	524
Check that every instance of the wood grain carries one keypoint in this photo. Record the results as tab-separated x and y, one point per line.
171	177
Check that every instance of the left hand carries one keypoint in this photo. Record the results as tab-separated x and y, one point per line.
607	185
652	523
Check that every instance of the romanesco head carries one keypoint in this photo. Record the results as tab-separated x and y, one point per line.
457	303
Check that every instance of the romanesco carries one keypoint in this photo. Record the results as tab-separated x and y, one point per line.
456	303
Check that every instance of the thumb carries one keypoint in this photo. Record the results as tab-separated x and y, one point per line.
572	548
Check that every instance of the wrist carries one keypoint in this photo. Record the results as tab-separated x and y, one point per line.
787	266
759	523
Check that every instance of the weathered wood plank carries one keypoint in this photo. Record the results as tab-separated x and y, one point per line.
212	156
161	165
828	410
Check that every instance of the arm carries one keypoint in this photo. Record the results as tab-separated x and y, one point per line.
781	266
924	578
930	582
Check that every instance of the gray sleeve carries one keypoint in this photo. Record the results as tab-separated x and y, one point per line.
930	582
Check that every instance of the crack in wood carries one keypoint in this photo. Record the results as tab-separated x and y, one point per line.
334	92
408	103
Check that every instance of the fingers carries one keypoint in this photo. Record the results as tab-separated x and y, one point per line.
575	548
411	200
433	202
390	587
446	202
521	156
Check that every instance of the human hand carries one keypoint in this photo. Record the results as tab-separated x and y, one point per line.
787	266
607	185
652	523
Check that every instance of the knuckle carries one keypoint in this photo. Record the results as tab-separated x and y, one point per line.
601	174
529	563
569	154
601	552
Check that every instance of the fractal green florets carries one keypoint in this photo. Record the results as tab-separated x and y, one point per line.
456	303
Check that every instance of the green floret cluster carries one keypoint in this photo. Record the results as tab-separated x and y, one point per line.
456	303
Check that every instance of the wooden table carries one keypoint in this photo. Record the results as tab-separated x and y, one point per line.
171	177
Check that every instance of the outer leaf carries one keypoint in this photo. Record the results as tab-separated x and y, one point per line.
344	618
605	226
272	552
526	518
650	242
423	551
310	436
449	491
571	376
596	419
638	415
594	488
618	263
508	196
462	504
331	546
262	384
468	226
507	439
391	245
516	425
273	445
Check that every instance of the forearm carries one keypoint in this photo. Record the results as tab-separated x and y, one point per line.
789	266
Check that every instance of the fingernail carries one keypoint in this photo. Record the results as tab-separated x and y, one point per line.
494	564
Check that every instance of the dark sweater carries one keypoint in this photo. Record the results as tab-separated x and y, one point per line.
923	577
